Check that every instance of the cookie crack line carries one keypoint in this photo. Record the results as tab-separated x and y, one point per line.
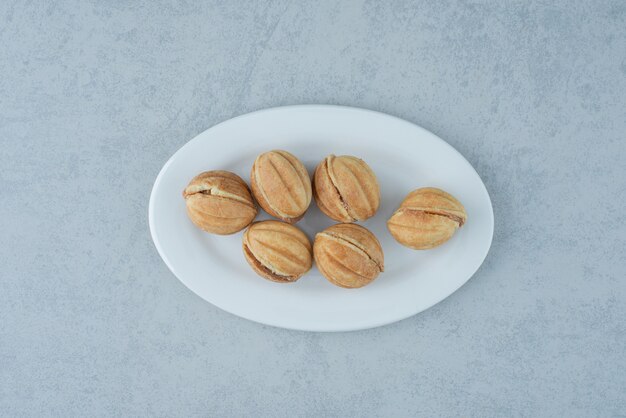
265	269
333	257
343	202
216	192
450	216
351	244
370	207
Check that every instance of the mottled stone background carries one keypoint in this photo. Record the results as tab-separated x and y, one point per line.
96	95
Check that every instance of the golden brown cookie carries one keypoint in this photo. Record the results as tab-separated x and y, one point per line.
346	189
426	218
277	251
281	185
348	255
219	202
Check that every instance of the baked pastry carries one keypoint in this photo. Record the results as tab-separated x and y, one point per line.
346	189
281	185
219	202
426	218
348	255
277	251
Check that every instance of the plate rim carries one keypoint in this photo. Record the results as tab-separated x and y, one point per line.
371	324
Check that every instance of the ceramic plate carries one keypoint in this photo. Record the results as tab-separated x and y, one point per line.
403	156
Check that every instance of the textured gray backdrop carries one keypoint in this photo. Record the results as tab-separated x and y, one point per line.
96	95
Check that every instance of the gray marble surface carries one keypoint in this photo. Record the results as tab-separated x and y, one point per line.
96	95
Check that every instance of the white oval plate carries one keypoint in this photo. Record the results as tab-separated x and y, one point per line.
403	156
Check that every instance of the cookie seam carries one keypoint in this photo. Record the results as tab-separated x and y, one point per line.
343	239
333	182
